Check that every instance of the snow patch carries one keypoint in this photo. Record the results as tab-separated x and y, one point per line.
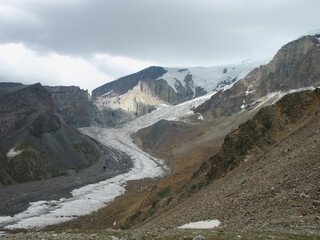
264	99
103	95
201	224
2	233
276	96
12	153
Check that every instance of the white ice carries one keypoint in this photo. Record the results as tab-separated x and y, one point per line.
201	224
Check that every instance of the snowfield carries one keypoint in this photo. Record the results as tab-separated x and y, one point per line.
92	197
209	77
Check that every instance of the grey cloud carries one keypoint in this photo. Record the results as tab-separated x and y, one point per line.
169	32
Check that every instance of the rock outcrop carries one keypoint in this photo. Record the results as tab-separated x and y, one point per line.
35	142
122	85
72	104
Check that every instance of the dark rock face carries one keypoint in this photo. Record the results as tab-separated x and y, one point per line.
122	85
7	87
159	89
22	107
185	93
72	104
46	122
266	128
42	145
296	65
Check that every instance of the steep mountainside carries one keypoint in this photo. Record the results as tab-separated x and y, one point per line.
137	94
266	174
72	104
35	143
266	128
296	65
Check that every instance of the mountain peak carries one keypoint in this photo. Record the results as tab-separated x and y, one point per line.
296	65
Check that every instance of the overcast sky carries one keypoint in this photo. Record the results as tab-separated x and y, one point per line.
91	42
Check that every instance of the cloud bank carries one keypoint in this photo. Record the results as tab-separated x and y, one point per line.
108	38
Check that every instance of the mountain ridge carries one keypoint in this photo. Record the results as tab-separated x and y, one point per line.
134	95
296	65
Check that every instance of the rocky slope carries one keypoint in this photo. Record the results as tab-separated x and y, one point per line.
296	65
35	143
137	94
266	128
265	175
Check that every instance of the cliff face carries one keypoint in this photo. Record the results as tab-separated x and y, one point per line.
72	104
35	143
296	65
22	107
122	85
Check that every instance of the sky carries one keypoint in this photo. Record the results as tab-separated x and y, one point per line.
88	43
